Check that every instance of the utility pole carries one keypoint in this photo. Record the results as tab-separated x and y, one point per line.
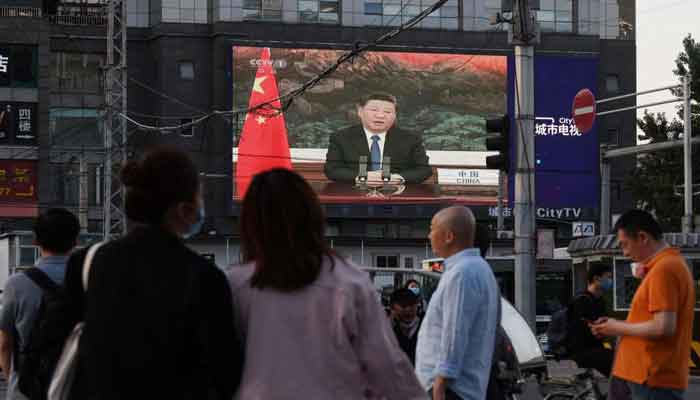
83	194
605	170
524	38
115	78
687	158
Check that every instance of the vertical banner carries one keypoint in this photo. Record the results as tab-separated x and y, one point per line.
567	161
25	123
4	66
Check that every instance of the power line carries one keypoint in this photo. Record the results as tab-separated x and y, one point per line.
287	99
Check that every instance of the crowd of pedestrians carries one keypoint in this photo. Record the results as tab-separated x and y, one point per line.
296	320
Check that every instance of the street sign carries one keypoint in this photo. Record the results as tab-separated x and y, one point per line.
583	110
583	229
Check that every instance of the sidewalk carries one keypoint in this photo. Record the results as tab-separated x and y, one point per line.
568	368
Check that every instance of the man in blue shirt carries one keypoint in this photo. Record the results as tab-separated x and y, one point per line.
56	233
456	339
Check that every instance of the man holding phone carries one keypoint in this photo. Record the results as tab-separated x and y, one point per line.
652	357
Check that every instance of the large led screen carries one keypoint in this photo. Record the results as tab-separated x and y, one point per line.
387	126
567	162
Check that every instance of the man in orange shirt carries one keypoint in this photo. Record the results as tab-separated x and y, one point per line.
654	350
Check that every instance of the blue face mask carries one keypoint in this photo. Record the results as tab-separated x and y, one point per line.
415	290
606	284
197	226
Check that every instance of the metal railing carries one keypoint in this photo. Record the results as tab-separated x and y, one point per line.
79	20
31	12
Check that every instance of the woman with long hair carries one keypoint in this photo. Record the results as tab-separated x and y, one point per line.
311	322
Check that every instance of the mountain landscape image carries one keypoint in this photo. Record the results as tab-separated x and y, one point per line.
443	97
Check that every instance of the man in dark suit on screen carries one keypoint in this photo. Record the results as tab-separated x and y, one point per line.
377	138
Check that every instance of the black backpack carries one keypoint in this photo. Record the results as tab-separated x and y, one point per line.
41	352
558	330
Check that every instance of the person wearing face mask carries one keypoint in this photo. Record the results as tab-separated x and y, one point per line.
158	321
406	321
652	357
587	350
415	288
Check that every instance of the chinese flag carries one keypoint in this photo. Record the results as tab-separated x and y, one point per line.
263	144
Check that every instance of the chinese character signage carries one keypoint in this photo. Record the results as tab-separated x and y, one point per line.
548	126
24	123
4	66
18	66
18	123
567	165
18	181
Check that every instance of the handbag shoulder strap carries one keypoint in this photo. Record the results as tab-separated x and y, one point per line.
87	264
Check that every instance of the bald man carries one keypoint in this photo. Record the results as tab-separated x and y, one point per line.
456	339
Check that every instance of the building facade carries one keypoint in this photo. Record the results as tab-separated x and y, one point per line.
179	69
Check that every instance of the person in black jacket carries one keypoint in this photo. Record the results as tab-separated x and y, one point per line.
405	320
584	348
158	321
377	138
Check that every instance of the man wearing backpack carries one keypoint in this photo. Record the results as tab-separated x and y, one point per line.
584	348
29	294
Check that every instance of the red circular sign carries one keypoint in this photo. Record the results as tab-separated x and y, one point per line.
583	110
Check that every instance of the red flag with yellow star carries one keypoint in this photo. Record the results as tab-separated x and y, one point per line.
263	144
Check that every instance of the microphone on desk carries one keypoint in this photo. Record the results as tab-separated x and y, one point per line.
386	169
362	172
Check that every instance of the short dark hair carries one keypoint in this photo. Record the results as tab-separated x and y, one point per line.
162	179
635	221
378	96
56	230
482	238
283	231
404	297
597	270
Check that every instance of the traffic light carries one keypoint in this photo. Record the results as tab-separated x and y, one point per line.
499	142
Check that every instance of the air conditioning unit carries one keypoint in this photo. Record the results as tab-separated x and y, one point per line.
505	235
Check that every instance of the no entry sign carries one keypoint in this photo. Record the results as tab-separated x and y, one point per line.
583	110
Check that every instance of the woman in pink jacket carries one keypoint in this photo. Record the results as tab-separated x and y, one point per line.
311	322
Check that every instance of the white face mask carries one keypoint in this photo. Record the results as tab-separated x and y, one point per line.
638	270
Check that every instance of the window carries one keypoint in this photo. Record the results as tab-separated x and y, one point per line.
553	291
66	181
267	10
137	13
373	9
386	261
185	11
408	262
396	12
75	127
76	72
186	70
316	11
612	84
28	256
555	16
